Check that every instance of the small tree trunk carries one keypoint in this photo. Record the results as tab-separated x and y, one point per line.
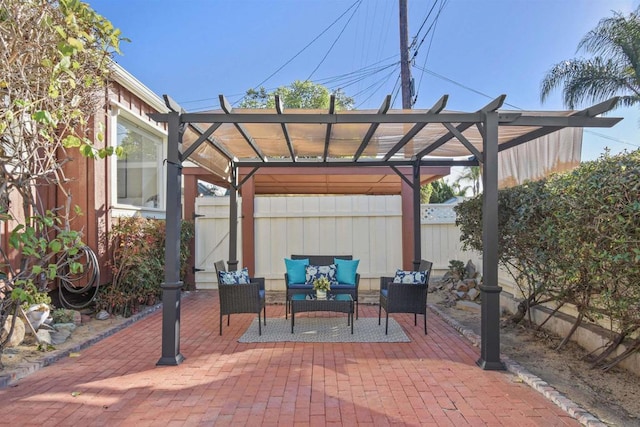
523	308
570	334
595	361
553	313
634	347
520	312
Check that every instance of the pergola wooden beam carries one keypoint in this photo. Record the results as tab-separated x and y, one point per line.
285	130
492	106
327	136
372	129
436	109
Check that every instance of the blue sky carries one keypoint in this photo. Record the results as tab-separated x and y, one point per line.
195	50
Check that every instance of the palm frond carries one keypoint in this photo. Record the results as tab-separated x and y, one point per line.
609	34
616	38
591	80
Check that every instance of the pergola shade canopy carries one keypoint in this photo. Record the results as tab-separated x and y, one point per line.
273	137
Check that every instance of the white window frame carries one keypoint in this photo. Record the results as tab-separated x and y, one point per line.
149	129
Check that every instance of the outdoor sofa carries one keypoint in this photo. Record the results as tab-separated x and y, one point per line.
348	278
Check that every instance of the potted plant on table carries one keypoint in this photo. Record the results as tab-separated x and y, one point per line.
321	285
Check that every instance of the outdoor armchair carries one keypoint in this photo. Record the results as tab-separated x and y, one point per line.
240	294
408	296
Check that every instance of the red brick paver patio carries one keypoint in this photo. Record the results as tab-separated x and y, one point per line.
433	380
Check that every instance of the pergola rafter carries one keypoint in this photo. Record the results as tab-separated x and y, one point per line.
372	128
285	131
227	108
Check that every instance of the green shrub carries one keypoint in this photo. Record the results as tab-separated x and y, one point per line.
62	315
572	239
137	247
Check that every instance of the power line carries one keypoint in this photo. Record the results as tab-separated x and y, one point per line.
343	83
611	138
424	64
382	82
336	40
601	135
378	82
360	71
396	89
426	18
304	48
440	76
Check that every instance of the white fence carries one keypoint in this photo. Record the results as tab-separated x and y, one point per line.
367	227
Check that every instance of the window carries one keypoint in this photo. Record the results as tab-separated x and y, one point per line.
139	175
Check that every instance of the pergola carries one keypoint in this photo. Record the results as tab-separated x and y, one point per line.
226	140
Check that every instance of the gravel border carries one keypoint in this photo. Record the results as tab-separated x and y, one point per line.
583	416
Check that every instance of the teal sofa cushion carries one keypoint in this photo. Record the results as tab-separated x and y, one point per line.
346	270
296	269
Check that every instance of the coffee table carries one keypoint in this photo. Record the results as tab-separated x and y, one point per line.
338	303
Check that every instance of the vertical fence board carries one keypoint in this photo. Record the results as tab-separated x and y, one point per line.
367	227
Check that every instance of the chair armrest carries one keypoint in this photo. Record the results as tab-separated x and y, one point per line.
286	280
357	279
384	281
259	281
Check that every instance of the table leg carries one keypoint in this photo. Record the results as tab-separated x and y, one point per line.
293	318
351	316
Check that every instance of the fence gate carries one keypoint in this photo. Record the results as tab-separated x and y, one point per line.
211	238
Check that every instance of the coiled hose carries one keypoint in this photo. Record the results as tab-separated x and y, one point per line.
86	282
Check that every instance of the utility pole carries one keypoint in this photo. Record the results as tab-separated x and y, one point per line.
405	70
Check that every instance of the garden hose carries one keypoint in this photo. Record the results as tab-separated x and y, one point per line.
90	277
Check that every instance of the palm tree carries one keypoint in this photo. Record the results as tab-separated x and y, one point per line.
614	70
471	174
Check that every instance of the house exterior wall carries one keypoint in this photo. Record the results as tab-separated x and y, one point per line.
91	181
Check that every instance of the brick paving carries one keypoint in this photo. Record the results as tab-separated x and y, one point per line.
431	381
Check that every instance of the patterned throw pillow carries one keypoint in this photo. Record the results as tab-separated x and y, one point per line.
239	277
313	272
410	277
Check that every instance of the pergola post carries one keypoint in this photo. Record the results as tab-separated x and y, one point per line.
171	287
233	220
490	291
417	235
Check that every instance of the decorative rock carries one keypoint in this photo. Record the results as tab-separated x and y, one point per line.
461	295
471	283
38	314
470	269
18	332
85	318
44	336
102	315
473	294
65	327
468	306
462	287
60	336
77	317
